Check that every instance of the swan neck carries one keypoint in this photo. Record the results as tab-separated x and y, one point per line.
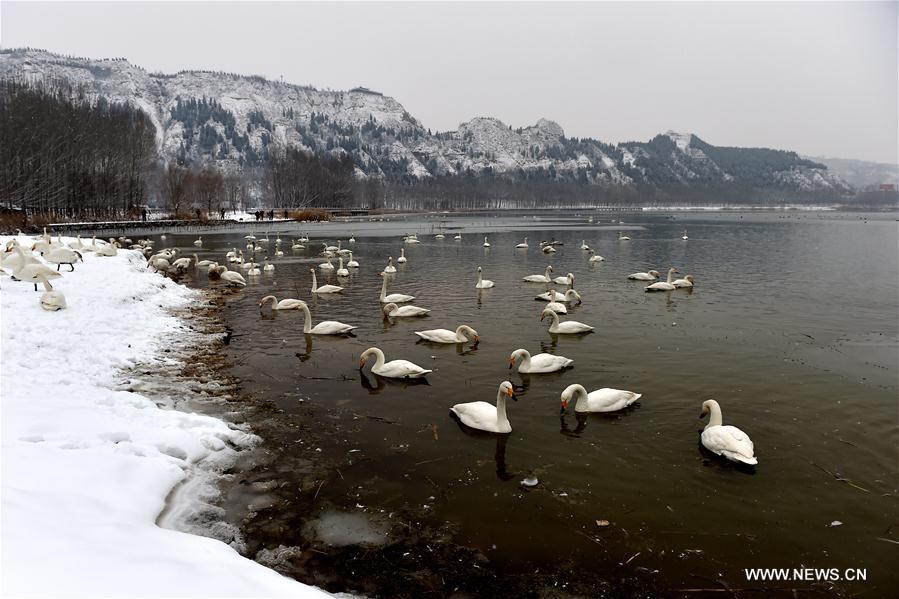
501	417
715	416
581	399
314	282
670	275
379	358
384	288
307	318
525	360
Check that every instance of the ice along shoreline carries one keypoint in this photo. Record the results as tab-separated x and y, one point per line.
91	449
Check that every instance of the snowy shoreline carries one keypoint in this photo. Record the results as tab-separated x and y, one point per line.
88	462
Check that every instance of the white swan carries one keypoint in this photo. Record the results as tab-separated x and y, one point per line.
484	416
560	307
584	245
447	336
341	271
198	242
284	304
323	288
482	282
395	311
685	282
395	369
663	285
109	250
548	249
652	275
601	400
727	441
623	237
36	273
538	364
544	278
198	263
269	267
352	239
523	245
352	263
297	246
390	268
565	328
254	270
551	295
326	327
458	237
594	257
439	236
402	259
393	298
566	280
181	264
232	278
684	236
326	265
486	243
53	300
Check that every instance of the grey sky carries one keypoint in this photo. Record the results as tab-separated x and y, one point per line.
818	78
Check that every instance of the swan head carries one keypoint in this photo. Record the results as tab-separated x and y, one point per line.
568	394
506	388
689	278
708	406
464	328
371	351
672	270
267	298
654	273
572	294
388	308
518	354
546	311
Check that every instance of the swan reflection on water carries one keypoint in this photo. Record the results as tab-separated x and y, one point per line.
380	383
580	418
499	454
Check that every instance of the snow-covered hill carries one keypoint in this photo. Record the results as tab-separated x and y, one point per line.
234	121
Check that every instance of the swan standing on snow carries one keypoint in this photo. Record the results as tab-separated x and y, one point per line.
341	271
560	307
482	282
644	276
523	245
390	268
326	327
36	273
686	282
727	441
284	304
538	364
544	278
394	311
395	369
53	300
601	400
484	416
566	280
323	288
486	243
393	298
447	336
352	263
664	285
402	258
564	328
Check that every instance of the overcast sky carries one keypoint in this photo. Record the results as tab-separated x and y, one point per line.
818	78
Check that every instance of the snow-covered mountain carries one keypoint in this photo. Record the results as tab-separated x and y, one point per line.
234	121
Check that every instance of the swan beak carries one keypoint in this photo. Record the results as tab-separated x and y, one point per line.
702	415
542	316
477	338
511	363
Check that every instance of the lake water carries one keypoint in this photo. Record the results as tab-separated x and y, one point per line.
791	326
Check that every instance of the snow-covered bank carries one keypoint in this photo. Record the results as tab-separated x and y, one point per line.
86	466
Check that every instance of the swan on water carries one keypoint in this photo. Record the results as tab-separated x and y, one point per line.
326	327
341	271
594	257
652	275
396	369
601	400
561	307
352	263
623	237
198	263
284	304
485	416
402	258
523	245
390	268
393	298
394	311
685	282
486	243
566	280
541	363
544	278
684	236
323	288
565	328
482	282
198	242
447	336
297	246
326	265
232	278
548	249
664	285
584	245
727	441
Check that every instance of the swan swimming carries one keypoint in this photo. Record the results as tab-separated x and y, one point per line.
727	441
390	268
482	282
402	259
284	304
397	369
447	336
394	311
652	275
566	280
601	400
523	245
568	327
341	271
544	278
541	363
486	243
663	285
323	288
484	416
393	298
561	307
686	282
325	327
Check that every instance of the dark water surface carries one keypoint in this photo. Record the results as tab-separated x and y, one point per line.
792	327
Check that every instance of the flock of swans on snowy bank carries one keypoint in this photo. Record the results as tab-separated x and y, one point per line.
727	441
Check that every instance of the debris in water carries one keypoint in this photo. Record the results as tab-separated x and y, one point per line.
530	481
602	522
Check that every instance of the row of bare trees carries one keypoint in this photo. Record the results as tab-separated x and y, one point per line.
79	159
295	179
